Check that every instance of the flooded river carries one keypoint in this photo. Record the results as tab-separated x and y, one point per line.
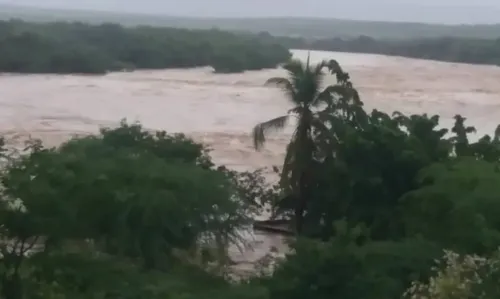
221	109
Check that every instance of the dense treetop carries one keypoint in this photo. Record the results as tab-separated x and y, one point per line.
82	48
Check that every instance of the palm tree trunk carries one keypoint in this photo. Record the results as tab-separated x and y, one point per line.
301	204
12	287
305	156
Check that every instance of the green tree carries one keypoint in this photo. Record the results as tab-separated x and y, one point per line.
350	266
63	47
456	206
460	276
126	193
303	88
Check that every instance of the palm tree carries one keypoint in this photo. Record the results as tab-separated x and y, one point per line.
303	89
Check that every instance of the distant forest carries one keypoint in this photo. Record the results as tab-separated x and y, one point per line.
79	42
96	49
305	27
449	49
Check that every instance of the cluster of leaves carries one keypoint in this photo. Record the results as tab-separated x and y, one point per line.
82	48
348	266
404	178
116	214
460	276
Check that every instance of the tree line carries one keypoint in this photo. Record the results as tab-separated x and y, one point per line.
278	26
374	200
63	47
448	49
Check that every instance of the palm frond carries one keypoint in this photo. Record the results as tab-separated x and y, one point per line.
307	85
294	67
315	81
318	69
296	110
260	130
284	84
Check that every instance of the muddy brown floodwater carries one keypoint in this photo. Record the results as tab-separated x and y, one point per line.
221	109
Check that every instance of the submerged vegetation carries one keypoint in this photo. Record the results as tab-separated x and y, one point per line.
375	200
81	48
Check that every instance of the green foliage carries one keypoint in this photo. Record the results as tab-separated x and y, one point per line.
87	275
124	193
460	206
349	267
82	48
303	89
460	276
417	190
138	192
375	198
472	49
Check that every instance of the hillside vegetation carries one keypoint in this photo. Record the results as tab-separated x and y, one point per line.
64	47
449	49
81	48
57	44
307	27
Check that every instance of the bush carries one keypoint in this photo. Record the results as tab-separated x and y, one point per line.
350	267
136	196
461	276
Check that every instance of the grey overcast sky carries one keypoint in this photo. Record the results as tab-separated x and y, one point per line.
435	11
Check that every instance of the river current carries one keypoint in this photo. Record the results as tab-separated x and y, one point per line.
221	109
